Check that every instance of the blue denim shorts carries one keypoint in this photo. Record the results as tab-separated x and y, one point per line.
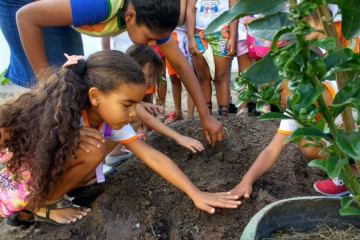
58	41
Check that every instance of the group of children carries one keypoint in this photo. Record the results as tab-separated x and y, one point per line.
54	137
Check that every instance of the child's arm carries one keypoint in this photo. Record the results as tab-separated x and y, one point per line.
233	26
266	159
150	121
105	43
31	19
166	168
190	26
182	12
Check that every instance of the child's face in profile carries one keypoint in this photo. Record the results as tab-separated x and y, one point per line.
142	35
284	93
150	74
117	107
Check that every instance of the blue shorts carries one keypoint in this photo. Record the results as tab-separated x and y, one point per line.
58	41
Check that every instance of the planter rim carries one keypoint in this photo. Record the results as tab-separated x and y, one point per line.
249	232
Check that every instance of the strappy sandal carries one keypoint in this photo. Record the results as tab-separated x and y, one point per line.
223	112
15	221
62	204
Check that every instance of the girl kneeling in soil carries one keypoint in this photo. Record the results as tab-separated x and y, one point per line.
41	131
269	156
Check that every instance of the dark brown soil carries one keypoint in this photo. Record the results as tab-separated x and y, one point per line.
136	203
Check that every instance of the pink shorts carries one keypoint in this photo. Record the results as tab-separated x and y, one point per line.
241	47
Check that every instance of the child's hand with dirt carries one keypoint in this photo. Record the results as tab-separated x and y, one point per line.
243	189
208	201
190	143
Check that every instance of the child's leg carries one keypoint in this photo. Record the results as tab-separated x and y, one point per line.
190	108
162	84
222	84
244	61
176	90
203	74
76	172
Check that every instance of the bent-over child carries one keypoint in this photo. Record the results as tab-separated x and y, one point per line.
147	23
40	138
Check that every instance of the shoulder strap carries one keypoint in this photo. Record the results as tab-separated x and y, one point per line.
108	131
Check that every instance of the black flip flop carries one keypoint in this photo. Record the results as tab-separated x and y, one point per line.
14	220
62	204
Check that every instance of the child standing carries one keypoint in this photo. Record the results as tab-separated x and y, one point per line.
147	22
199	15
180	37
40	137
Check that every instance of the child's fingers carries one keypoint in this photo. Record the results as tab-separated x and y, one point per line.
91	132
207	137
228	195
84	148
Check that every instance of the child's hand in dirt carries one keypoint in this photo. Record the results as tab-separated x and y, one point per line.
90	136
208	201
190	143
243	189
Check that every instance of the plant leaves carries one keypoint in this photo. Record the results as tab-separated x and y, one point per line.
243	8
349	143
263	71
309	132
319	163
350	11
268	26
349	211
273	116
334	166
308	94
335	61
346	201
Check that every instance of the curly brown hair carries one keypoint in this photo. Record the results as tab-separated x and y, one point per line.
44	123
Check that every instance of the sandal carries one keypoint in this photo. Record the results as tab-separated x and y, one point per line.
223	112
116	160
172	118
14	220
61	204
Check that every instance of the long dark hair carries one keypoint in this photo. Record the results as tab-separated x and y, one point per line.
44	123
145	54
158	16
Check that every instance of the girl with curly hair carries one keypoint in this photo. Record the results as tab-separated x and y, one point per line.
40	137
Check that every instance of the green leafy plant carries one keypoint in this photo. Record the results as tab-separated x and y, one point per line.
3	79
306	70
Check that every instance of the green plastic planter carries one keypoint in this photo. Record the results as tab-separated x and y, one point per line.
302	214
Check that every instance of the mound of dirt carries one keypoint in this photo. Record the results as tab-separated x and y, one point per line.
136	203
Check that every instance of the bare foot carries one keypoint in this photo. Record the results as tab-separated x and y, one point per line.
189	117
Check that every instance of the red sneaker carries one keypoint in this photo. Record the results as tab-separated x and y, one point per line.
334	187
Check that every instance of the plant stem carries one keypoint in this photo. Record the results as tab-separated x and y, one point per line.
341	79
